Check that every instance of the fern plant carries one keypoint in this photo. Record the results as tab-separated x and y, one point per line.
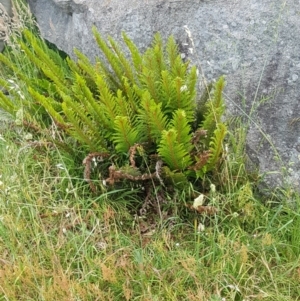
137	110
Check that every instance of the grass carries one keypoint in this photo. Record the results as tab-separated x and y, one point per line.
59	242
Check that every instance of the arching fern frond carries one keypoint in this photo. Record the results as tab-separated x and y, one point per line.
44	61
172	51
172	152
151	120
183	129
77	129
53	108
216	146
128	70
153	58
135	53
181	99
125	134
214	109
111	57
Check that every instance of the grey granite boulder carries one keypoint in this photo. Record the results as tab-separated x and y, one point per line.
255	43
5	15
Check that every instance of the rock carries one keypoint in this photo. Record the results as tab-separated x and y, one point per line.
5	16
253	42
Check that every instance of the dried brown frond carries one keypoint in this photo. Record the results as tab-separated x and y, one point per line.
117	175
201	159
198	135
132	152
87	161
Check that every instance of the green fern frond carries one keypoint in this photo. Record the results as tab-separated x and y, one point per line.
85	68
51	106
183	129
214	109
84	96
151	120
168	93
111	57
122	106
79	110
150	83
218	97
172	152
143	118
153	58
135	53
133	98
172	51
216	146
128	70
74	67
77	129
178	68
181	99
112	81
83	63
108	104
125	135
44	61
191	82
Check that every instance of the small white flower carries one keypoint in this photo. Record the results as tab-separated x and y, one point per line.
177	244
60	166
212	188
198	201
64	231
235	214
201	228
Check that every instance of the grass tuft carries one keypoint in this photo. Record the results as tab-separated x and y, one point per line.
59	244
